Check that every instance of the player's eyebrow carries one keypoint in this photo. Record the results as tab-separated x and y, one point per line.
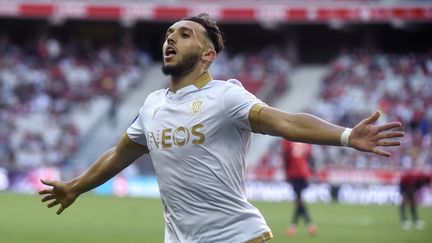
183	29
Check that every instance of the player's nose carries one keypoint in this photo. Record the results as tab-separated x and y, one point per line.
171	39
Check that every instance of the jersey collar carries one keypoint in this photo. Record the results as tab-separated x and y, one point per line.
203	80
200	83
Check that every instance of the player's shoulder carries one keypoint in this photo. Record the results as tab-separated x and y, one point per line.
225	85
155	96
158	93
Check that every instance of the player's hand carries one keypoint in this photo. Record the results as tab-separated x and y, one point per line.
60	193
368	137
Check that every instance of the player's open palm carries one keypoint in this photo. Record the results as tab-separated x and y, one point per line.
60	193
368	137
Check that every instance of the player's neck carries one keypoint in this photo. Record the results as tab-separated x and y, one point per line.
178	82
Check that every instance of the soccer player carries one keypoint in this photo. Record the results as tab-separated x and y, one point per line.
197	132
410	183
297	171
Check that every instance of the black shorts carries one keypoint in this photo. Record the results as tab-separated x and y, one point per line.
298	185
402	188
408	190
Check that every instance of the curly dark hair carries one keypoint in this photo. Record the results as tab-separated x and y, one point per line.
213	31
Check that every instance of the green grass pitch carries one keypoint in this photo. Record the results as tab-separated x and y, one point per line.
23	218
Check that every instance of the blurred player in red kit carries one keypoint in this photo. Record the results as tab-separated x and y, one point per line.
410	183
296	157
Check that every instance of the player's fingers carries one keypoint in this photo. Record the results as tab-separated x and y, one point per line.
60	210
387	143
389	125
47	198
50	205
373	118
45	191
46	182
396	134
381	152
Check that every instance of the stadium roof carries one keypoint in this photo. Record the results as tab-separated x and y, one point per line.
309	11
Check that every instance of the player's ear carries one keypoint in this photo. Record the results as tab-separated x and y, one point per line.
209	55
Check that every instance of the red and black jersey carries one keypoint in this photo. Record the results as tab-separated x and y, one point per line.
414	179
295	156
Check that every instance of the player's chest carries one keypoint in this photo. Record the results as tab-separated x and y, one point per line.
172	125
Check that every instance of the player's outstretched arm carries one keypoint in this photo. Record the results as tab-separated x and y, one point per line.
108	165
301	127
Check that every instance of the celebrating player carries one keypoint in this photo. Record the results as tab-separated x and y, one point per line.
197	133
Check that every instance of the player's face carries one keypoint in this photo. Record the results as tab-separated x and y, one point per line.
182	49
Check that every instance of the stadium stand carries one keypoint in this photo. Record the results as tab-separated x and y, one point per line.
53	93
354	85
399	85
264	73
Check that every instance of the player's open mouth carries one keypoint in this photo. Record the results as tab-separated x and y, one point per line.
170	52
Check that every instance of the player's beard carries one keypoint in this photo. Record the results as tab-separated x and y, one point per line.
183	67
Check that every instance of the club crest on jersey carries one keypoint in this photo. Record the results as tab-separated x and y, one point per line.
196	107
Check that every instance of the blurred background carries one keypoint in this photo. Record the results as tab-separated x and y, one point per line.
73	75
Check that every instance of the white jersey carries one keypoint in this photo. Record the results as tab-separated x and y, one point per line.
198	138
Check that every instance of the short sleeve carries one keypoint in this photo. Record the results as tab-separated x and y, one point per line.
241	105
136	130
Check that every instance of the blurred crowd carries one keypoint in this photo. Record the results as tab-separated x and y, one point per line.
47	85
264	73
359	82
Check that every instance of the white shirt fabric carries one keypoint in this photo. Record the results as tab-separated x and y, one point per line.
198	139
